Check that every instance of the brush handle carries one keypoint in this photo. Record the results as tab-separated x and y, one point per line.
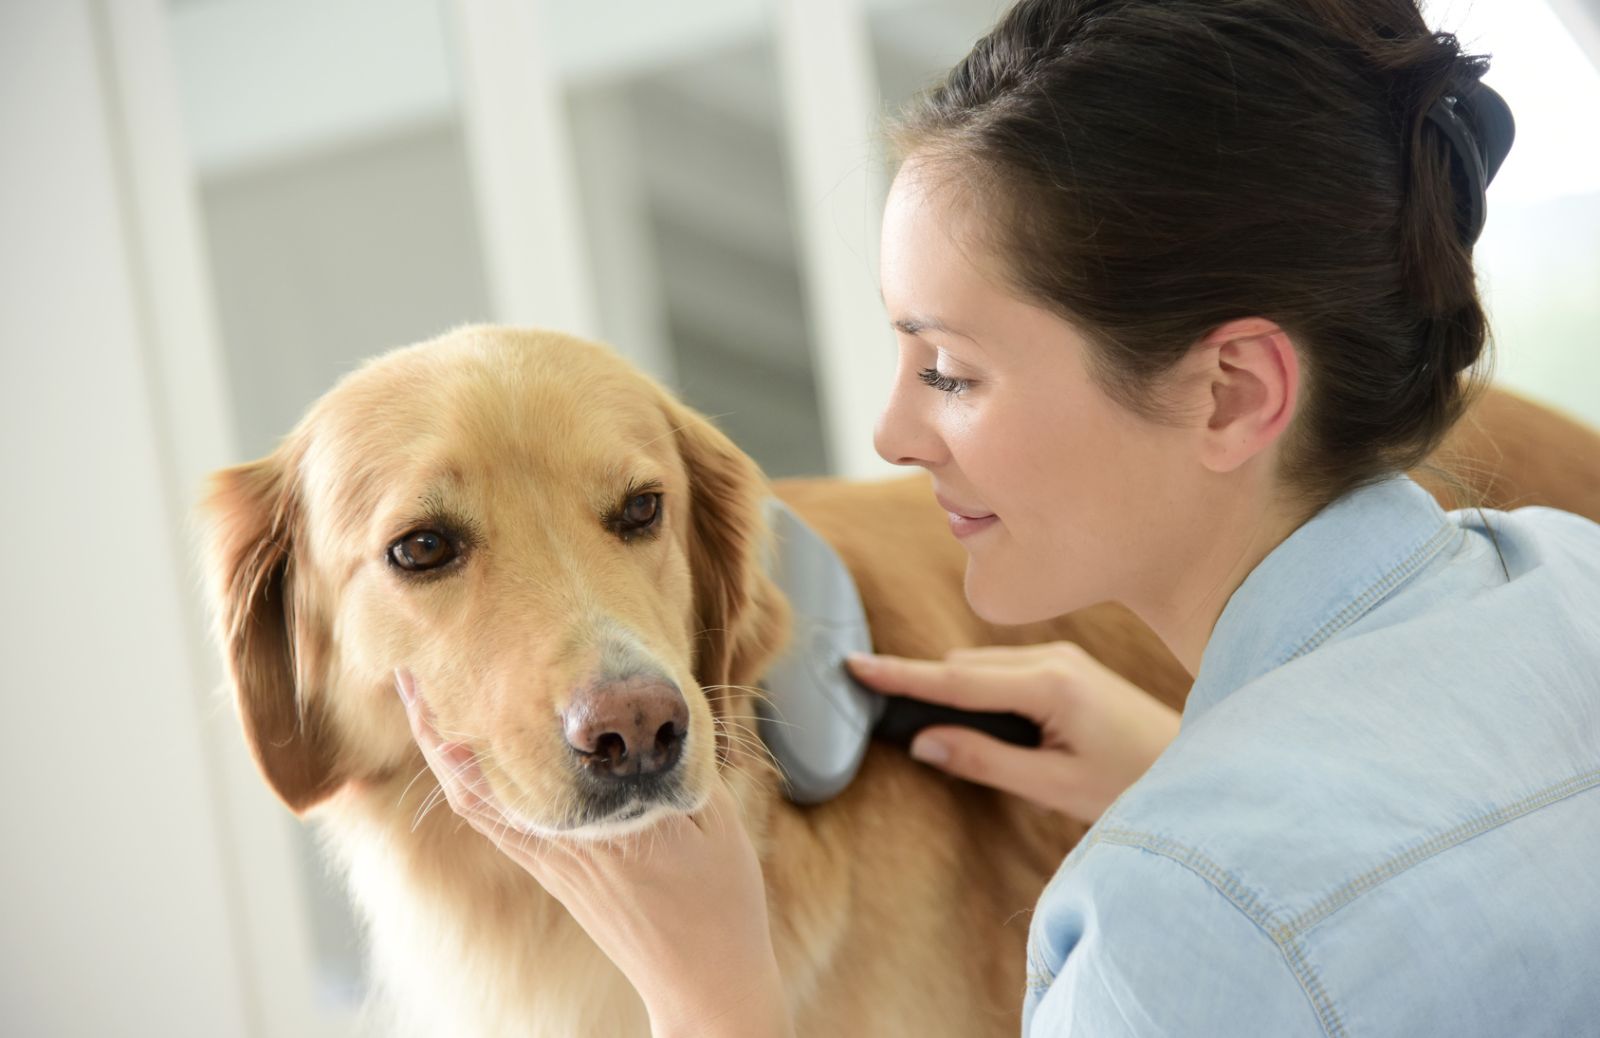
903	717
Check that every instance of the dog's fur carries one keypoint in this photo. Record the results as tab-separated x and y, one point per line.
899	908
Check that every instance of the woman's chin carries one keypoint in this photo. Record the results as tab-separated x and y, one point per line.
997	602
993	606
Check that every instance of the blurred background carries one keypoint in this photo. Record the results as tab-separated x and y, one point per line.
212	209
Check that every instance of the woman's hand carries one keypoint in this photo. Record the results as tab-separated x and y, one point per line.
1100	732
680	908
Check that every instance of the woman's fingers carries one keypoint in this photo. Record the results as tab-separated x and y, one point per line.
463	782
1049	778
1100	731
970	684
453	764
1010	654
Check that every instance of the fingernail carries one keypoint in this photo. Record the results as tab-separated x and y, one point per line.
861	659
931	750
402	684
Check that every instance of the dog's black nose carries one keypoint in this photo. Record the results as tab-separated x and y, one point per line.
632	728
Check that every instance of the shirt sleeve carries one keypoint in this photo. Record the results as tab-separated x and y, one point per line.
1133	943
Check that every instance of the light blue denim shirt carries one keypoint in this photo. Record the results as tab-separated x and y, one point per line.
1381	815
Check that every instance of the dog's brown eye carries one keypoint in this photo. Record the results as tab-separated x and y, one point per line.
638	516
422	550
641	510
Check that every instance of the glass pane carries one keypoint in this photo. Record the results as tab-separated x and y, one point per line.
916	42
334	187
339	222
679	135
1539	258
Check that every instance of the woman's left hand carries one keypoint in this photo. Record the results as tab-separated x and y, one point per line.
680	908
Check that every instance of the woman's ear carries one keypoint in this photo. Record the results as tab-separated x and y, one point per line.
741	618
1248	392
272	642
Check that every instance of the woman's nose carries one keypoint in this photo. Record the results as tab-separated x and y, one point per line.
902	435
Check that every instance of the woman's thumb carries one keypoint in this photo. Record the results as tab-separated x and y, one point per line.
976	756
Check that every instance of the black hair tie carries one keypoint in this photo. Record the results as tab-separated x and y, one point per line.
1477	122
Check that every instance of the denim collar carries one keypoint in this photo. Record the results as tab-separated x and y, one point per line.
1324	576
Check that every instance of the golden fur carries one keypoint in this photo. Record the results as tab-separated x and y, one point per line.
899	908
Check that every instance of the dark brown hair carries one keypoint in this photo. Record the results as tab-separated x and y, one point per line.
1152	169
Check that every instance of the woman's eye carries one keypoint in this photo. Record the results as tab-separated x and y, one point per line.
943	383
639	514
422	550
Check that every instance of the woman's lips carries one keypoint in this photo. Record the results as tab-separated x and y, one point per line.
962	525
964	521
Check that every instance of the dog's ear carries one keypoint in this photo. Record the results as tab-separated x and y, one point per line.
271	641
740	616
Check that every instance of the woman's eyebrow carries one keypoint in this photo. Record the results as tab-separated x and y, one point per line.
917	322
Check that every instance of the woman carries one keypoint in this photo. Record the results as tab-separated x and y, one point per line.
1185	287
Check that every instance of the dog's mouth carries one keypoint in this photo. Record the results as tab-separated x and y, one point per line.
613	800
634	817
616	809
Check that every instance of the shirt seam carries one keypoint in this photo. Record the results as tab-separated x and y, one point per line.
1356	608
1038	975
1244	900
1369	598
1438	844
1289	936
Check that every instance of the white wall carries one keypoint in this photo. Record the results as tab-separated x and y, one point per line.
116	901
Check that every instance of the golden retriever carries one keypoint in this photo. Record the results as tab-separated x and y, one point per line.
469	508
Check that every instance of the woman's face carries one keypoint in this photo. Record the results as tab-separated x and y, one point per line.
1089	500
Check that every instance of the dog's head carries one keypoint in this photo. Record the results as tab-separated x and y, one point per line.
566	558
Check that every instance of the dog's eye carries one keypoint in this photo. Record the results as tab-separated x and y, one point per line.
642	509
422	550
639	514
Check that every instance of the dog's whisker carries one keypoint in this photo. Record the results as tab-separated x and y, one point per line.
430	796
434	799
745	738
751	745
424	770
685	425
520	806
424	807
754	690
731	728
756	693
503	824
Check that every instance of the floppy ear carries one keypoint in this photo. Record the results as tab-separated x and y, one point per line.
271	641
740	615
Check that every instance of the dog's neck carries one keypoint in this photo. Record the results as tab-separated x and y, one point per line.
447	914
446	910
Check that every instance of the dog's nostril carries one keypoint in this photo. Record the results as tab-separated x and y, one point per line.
611	748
